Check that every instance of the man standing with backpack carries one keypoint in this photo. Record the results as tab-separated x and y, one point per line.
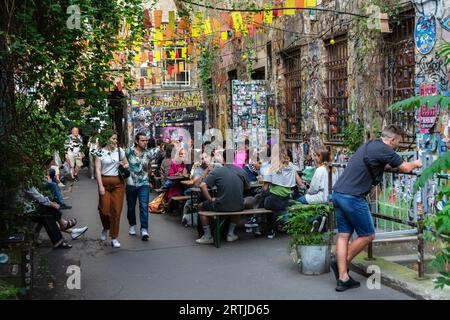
364	170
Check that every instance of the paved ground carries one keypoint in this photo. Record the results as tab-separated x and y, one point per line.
172	266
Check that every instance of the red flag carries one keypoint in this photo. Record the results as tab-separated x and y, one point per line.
251	30
150	56
147	19
142	83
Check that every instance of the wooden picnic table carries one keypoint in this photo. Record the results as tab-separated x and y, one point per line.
177	178
188	182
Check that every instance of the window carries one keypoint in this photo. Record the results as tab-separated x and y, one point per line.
294	67
398	72
175	67
336	86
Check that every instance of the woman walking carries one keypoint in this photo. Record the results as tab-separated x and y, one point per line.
111	188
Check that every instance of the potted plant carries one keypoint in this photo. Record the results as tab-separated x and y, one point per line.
309	244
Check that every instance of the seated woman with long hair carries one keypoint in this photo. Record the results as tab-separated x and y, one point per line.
318	189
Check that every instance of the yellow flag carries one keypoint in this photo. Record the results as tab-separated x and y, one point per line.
181	67
172	54
237	21
268	14
172	20
208	29
158	37
311	3
137	58
183	53
224	35
289	4
197	26
157	56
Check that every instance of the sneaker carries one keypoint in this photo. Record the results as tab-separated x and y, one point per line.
251	223
92	178
104	235
76	232
115	243
144	235
271	234
205	240
132	231
65	207
349	284
61	185
76	178
232	237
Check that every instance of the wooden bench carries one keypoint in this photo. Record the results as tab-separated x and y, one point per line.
216	215
180	198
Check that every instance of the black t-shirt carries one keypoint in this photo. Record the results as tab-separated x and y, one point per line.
356	179
230	182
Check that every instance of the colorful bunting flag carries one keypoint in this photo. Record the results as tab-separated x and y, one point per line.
183	53
289	4
147	19
172	20
158	37
144	56
311	3
172	54
157	16
237	21
268	14
150	56
207	27
157	56
181	67
258	18
300	4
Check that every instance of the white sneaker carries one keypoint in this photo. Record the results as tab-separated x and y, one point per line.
61	185
231	237
205	240
132	231
115	243
104	235
144	235
92	177
76	232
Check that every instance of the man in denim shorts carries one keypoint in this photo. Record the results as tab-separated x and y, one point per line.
364	170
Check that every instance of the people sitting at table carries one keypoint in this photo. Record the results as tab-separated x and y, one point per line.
165	166
198	173
318	188
281	177
177	169
231	182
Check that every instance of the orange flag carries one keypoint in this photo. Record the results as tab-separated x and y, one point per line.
258	18
299	4
157	14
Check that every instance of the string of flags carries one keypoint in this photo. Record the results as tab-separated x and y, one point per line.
171	47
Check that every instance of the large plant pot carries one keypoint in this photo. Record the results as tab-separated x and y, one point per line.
314	259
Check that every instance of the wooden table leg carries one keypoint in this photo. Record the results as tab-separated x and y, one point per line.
217	233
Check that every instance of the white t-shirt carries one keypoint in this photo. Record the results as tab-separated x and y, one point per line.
110	161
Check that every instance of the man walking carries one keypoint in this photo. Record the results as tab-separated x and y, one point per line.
364	170
73	151
138	184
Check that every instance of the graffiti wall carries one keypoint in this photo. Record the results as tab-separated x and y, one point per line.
166	115
432	27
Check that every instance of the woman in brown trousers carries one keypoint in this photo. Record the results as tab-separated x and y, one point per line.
111	188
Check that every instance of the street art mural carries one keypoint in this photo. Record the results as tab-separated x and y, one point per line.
431	70
425	34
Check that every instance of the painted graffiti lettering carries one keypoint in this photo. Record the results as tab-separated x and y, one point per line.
431	70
